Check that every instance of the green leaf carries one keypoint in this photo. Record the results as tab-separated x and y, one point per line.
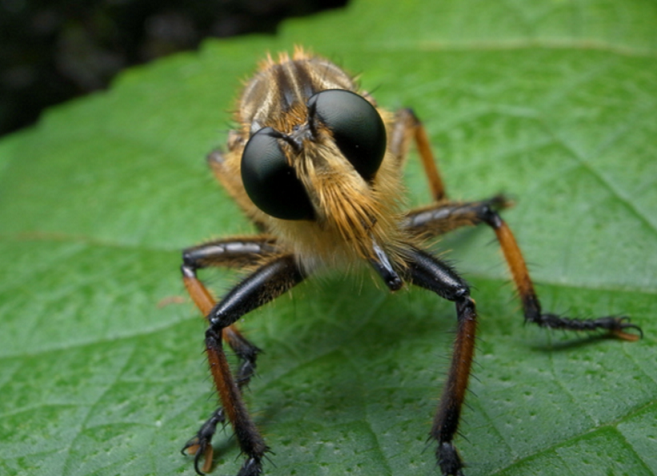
553	102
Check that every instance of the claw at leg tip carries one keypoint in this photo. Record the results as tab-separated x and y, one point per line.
209	454
627	336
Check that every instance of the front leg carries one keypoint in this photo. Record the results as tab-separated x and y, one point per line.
429	272
269	281
239	253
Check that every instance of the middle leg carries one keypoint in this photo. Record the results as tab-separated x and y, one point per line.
443	217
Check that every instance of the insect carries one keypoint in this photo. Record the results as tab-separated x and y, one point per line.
316	165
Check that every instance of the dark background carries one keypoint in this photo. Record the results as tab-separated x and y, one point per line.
54	50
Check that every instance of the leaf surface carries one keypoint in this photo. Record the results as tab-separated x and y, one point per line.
101	367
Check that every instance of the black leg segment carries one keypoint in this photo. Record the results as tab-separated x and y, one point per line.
384	268
268	282
230	253
430	273
442	218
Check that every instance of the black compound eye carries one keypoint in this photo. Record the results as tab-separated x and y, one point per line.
270	181
356	125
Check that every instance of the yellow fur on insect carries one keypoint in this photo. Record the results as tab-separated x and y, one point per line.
350	213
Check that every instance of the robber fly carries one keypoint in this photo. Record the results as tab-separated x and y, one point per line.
316	165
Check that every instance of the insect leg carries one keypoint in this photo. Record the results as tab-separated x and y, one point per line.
438	219
445	217
270	280
236	252
382	265
406	127
199	445
429	272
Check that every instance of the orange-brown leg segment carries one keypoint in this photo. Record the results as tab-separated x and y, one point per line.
441	218
408	127
429	272
271	279
200	445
